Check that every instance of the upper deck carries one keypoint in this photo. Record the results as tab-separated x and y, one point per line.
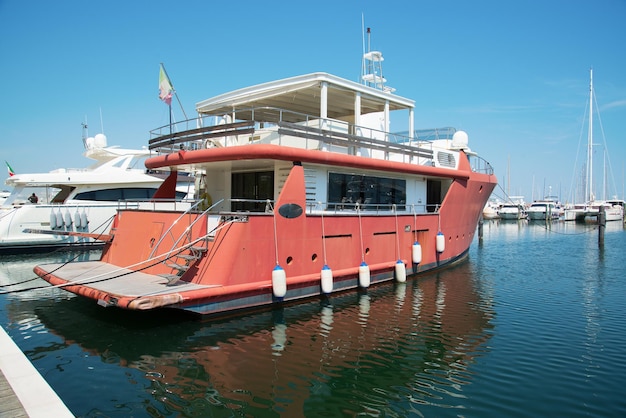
317	111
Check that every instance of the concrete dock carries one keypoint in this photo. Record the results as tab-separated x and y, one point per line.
23	392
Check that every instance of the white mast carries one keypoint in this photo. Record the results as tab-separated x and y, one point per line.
604	186
590	196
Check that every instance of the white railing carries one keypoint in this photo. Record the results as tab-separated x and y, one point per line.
288	128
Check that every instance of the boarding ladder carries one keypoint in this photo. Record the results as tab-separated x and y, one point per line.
186	251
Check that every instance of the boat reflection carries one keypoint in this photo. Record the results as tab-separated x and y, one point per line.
347	354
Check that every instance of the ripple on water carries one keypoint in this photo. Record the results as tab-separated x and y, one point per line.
531	324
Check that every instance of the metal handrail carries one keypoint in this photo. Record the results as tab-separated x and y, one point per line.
187	229
264	117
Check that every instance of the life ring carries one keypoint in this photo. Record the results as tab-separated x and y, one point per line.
206	201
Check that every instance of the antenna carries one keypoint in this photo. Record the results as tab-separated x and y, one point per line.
363	39
372	71
85	132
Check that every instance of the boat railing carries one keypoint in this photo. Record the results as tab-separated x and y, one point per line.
186	233
281	127
370	209
154	204
480	165
197	138
363	141
266	206
288	128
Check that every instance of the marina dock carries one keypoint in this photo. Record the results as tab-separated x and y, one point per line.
23	392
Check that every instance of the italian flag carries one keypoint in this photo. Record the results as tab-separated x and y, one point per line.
10	170
165	87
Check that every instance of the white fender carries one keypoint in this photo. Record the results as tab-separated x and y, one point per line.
400	272
68	219
327	279
53	219
77	221
441	242
279	282
83	219
59	216
416	253
364	275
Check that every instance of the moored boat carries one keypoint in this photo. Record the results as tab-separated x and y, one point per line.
75	207
307	192
589	212
546	209
618	206
514	209
490	211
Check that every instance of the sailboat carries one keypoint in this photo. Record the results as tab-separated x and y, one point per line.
589	210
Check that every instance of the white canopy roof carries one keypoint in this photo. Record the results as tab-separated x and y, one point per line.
303	94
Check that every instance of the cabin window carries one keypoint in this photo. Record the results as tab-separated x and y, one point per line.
250	191
370	192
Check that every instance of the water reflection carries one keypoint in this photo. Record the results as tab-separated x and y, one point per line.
396	347
17	279
19	284
515	232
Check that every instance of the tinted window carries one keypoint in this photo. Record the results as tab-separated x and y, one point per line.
113	195
377	193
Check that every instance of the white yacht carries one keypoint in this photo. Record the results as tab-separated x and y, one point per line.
80	200
544	210
490	211
513	209
588	212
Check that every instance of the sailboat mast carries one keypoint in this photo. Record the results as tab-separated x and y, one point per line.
590	197
604	186
508	176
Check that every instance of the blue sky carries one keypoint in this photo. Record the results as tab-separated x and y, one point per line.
513	74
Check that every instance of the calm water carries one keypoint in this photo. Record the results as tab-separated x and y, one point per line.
531	325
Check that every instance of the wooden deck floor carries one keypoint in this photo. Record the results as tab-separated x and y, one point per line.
10	405
117	280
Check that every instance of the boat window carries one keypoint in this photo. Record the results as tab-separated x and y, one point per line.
113	195
251	190
371	193
20	194
64	192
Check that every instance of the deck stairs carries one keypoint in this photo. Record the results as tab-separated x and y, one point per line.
181	261
186	250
